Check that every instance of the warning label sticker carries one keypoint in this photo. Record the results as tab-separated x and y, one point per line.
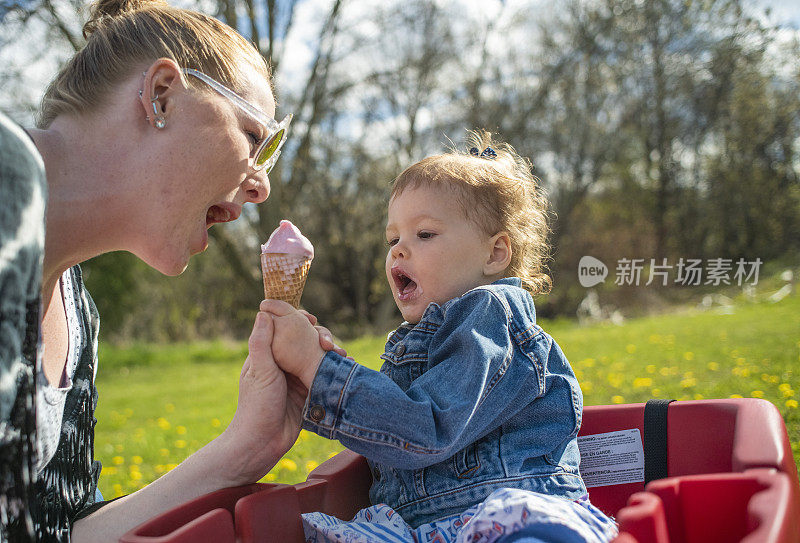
613	458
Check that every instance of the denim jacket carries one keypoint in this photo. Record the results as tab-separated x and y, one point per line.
473	398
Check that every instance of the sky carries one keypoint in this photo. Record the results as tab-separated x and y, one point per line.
783	11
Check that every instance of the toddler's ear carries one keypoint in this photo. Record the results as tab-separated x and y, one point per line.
499	254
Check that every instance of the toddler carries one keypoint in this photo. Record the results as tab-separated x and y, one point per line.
470	426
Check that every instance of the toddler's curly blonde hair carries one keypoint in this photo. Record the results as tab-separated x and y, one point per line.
498	194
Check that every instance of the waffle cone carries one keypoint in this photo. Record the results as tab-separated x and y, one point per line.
284	276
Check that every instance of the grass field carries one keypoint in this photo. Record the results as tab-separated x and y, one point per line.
158	404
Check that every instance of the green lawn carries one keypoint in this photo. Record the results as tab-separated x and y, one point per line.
160	403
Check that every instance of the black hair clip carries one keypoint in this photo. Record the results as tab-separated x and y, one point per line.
487	153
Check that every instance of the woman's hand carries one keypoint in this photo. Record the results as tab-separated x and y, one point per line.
265	426
268	414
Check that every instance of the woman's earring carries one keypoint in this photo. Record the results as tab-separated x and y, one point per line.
158	117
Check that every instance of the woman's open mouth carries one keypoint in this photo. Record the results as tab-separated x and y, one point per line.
406	286
222	213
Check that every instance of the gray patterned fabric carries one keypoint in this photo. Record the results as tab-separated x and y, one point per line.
22	219
43	506
68	483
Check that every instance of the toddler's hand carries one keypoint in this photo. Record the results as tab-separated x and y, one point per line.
325	336
296	342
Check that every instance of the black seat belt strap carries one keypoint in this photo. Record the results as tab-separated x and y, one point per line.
655	439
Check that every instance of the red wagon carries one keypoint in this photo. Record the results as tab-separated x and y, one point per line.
727	474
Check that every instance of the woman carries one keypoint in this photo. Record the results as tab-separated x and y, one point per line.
160	127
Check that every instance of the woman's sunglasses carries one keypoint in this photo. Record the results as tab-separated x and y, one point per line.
268	150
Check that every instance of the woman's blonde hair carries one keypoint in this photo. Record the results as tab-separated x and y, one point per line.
123	35
498	192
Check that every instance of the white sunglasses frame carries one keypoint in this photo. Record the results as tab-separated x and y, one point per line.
273	128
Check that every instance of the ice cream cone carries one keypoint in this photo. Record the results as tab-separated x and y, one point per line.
284	276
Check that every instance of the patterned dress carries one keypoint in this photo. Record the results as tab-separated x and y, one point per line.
43	506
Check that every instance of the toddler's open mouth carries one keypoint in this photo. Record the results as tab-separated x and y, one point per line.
406	286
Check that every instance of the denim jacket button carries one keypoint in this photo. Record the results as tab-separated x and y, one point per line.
400	351
317	413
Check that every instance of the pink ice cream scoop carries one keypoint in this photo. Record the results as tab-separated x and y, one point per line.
288	239
285	261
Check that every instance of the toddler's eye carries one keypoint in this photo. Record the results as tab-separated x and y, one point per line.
425	235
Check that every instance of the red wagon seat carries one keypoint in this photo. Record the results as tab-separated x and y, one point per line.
731	477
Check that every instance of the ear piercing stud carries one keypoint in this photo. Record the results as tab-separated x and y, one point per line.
158	117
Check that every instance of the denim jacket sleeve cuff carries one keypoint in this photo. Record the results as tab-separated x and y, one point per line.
322	410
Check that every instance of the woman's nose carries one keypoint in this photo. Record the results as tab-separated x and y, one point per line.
256	187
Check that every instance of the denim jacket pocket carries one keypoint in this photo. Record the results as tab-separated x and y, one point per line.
466	462
402	367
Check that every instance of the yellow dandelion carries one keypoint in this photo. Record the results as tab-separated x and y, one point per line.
171	466
774	379
664	371
784	387
169	408
110	470
631	348
133	467
757	394
137	459
650	368
163	452
311	466
180	429
788	393
135	475
215	423
118	460
641	382
180	443
270	477
688	383
698	396
688	355
713	366
615	379
617	399
791	404
163	423
287	464
735	396
741	361
117	490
